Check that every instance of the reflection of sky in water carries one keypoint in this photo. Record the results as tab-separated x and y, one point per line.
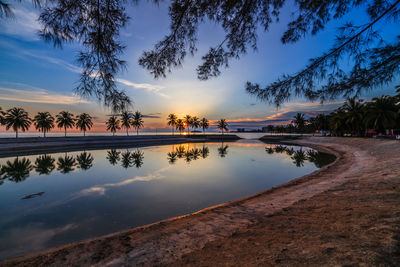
97	198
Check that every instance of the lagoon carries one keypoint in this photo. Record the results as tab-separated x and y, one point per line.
58	198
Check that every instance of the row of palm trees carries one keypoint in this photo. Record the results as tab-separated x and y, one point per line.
18	120
193	122
128	120
354	117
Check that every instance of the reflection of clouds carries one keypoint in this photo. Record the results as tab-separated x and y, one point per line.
35	238
101	189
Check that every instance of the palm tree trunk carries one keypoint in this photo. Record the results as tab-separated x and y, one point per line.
127	132
65	131
137	131
44	134
84	133
16	133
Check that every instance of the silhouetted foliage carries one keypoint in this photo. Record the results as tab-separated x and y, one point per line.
65	120
44	122
138	157
17	119
44	164
17	170
66	164
223	150
85	161
113	156
84	122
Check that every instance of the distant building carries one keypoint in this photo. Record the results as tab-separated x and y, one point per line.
264	129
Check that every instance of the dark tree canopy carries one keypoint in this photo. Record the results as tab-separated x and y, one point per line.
96	25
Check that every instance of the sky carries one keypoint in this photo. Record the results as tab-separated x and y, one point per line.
39	77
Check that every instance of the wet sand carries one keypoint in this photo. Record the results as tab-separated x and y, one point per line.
347	213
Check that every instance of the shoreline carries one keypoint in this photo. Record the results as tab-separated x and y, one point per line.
184	240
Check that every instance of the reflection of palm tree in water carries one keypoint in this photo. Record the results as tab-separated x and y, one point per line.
172	157
44	164
138	157
205	152
320	159
126	160
66	164
180	151
18	170
113	156
299	157
85	160
269	150
223	150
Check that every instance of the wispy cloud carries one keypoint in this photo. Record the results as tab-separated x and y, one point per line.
101	189
24	24
32	94
156	89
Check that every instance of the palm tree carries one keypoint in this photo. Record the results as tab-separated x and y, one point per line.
205	152
222	125
113	124
137	121
138	157
85	161
126	160
84	122
18	170
172	157
354	115
223	150
44	122
113	156
65	120
381	113
180	125
2	118
17	118
44	164
299	157
171	121
180	151
126	121
204	124
66	164
195	123
188	121
299	121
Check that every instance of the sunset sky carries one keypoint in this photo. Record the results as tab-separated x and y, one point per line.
38	77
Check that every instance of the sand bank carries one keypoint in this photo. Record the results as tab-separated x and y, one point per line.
345	213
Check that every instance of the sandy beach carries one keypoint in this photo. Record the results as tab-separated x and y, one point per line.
347	213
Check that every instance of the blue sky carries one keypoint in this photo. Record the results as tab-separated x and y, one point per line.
38	77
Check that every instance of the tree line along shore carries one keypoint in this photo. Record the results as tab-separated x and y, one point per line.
18	120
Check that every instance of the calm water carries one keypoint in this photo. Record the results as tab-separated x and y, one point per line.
53	199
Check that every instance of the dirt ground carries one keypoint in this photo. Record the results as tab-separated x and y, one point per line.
345	214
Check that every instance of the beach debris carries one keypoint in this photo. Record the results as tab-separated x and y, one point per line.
33	195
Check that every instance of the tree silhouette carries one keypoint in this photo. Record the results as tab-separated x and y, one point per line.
222	125
65	120
299	121
171	121
113	156
84	122
180	125
223	150
205	151
66	164
138	157
188	122
113	124
195	123
137	121
44	164
44	122
85	161
382	113
126	160
17	118
172	157
17	170
204	124
126	121
299	157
